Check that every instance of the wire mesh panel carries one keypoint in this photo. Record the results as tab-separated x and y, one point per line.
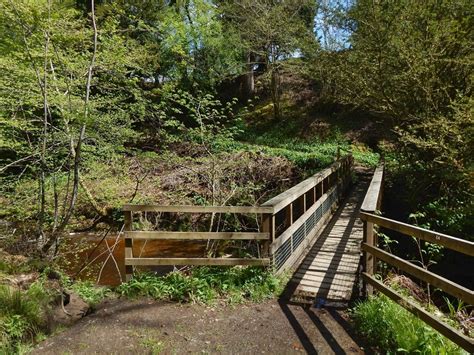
298	236
327	188
282	254
286	250
318	214
311	221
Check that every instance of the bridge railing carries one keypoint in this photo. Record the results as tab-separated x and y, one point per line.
300	212
288	223
371	204
130	235
372	252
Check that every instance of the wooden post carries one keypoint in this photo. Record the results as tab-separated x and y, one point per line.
291	213
288	215
128	245
369	260
268	226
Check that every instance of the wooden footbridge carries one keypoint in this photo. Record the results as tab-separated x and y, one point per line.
323	232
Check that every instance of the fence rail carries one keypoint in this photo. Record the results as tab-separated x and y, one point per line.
300	212
196	235
433	321
197	209
371	251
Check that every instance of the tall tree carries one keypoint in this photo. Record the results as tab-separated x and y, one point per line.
59	77
412	62
271	31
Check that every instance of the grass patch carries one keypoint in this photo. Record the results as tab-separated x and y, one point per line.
153	346
22	316
389	327
207	284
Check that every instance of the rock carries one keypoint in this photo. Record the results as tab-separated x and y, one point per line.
76	309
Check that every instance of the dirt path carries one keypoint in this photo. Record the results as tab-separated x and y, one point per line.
147	326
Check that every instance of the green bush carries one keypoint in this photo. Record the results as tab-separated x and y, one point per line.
22	315
389	327
206	284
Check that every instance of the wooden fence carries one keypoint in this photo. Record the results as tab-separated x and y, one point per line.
371	251
130	235
289	223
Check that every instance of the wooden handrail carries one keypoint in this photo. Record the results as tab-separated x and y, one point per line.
371	203
459	245
373	196
198	209
446	285
196	235
284	199
448	331
372	252
197	261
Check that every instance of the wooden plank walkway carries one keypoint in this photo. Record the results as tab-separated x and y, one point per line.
329	271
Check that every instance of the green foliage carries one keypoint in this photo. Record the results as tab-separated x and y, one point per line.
89	292
411	63
200	117
428	253
206	284
393	329
152	345
22	315
309	154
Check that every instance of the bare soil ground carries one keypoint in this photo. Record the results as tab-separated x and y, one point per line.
146	326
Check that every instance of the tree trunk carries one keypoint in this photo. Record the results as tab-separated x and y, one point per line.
249	83
275	90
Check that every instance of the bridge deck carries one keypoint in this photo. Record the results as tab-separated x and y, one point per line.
329	270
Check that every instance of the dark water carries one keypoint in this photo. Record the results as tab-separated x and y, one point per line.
77	250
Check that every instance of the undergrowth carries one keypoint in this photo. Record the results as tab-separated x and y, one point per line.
206	285
22	316
89	292
392	329
309	154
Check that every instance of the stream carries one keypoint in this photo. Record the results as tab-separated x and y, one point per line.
105	258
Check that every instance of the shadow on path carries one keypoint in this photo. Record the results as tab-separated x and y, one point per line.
328	323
